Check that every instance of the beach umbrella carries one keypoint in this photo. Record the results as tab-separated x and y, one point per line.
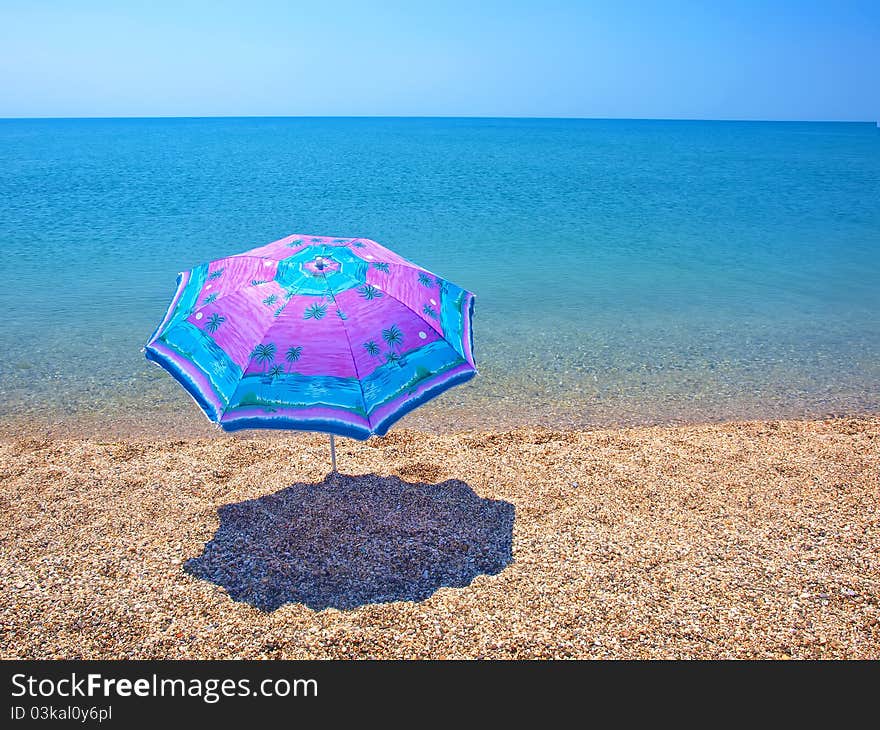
339	335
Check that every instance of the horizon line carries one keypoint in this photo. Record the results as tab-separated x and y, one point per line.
438	116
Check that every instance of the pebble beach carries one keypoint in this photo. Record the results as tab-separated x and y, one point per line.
738	540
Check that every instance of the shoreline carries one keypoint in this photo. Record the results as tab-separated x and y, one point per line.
187	422
749	540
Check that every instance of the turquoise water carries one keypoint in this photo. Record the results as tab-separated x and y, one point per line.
625	271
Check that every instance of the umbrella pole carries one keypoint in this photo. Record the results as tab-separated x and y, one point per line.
333	453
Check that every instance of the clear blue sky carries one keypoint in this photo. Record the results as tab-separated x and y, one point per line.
706	60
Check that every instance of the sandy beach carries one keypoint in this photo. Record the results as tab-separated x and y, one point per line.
744	540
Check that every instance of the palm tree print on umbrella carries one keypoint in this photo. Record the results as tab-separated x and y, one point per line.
372	348
425	280
342	315
216	274
293	353
383	267
369	292
214	322
264	354
316	311
275	371
294	243
394	338
430	311
210	299
270	300
393	335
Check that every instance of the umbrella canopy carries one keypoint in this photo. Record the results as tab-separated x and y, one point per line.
314	333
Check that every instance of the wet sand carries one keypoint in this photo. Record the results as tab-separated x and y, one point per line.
748	540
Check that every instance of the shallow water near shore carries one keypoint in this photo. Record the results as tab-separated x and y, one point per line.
625	271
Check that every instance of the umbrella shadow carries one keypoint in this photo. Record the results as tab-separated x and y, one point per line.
355	540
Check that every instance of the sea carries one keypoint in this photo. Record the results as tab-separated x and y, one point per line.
626	272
